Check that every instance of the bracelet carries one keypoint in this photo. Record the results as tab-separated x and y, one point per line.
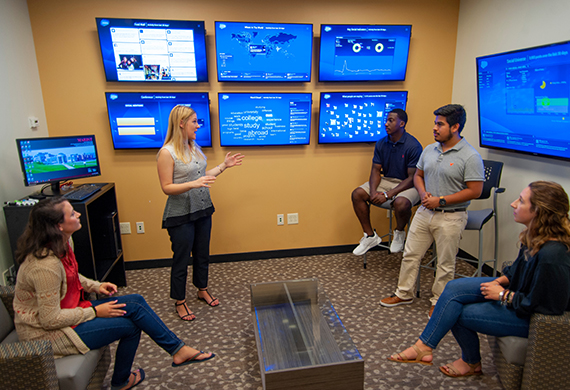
510	297
95	310
221	170
385	195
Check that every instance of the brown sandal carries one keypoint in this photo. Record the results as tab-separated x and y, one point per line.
452	371
188	312
211	297
418	359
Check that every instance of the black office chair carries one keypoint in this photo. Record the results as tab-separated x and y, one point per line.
476	219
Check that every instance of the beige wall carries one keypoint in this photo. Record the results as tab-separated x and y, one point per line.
314	181
20	97
488	27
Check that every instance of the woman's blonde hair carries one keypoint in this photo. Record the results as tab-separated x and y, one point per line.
177	137
550	203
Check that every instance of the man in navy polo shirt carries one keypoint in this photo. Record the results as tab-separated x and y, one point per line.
395	155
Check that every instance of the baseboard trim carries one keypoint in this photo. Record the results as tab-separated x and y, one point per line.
277	254
245	256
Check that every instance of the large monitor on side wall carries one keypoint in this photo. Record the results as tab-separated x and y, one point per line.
352	117
153	50
364	52
55	160
261	119
139	120
523	100
248	51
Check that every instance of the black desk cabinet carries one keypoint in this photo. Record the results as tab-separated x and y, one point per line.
97	245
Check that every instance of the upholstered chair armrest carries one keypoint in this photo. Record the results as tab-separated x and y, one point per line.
7	296
548	352
28	365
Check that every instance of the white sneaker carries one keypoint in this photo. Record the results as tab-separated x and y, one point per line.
398	242
366	243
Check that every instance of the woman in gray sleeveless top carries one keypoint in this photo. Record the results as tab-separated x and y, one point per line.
188	212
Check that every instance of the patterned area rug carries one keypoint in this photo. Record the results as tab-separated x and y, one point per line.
354	291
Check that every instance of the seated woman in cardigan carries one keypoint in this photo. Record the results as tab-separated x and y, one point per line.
49	303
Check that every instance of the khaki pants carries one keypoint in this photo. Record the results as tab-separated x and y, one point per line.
446	229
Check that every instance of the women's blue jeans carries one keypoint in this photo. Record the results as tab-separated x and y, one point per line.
127	329
462	309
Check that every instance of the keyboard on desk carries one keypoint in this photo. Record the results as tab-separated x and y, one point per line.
82	193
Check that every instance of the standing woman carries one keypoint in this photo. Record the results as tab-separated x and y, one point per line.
49	302
188	212
537	282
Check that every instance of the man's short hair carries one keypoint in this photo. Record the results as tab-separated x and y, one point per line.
401	114
454	114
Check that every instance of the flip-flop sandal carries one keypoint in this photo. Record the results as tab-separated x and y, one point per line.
211	297
453	372
142	375
188	312
193	360
418	359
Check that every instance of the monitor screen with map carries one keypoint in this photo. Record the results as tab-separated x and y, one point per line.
364	52
264	51
260	119
153	50
523	100
352	117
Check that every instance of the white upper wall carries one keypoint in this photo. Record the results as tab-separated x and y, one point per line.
20	98
493	26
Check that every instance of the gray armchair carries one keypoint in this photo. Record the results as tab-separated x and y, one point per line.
31	365
539	362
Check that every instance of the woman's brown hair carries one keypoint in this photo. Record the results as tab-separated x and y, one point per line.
42	231
550	203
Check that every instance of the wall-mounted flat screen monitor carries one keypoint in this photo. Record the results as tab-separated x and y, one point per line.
264	51
523	100
259	119
153	50
58	159
364	52
139	120
352	117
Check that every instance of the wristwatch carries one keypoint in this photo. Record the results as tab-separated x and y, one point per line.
442	201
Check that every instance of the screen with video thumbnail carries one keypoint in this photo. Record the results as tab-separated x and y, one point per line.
364	52
264	51
258	119
57	159
523	100
139	120
352	117
153	50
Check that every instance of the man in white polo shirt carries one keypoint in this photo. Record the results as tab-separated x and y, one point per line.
449	174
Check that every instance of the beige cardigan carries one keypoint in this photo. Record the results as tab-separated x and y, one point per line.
41	285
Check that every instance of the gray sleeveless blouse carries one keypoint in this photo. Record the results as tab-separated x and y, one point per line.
190	205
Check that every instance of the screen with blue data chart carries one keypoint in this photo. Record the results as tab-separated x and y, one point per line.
364	52
523	100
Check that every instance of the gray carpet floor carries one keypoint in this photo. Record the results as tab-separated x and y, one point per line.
354	291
